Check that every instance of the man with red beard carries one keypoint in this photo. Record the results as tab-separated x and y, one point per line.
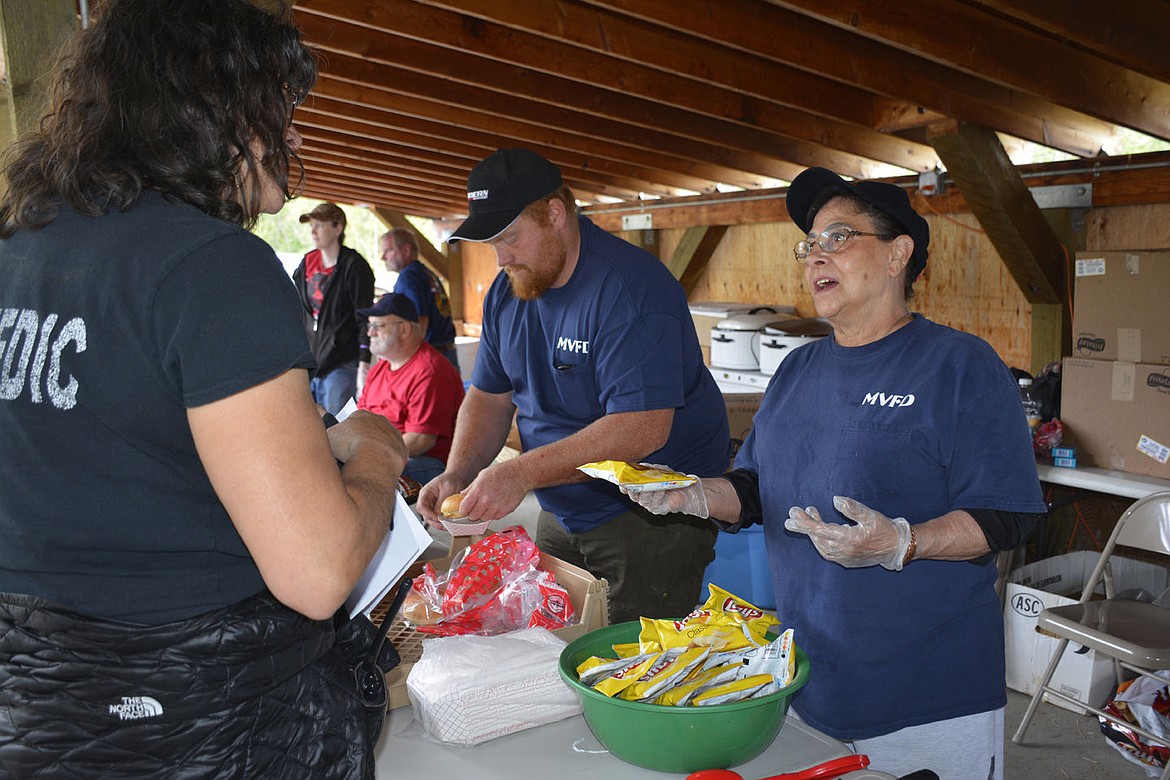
588	341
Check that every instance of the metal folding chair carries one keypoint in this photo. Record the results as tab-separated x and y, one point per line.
1135	634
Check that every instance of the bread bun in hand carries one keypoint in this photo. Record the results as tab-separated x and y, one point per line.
450	506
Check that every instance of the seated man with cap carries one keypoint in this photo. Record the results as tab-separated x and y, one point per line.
411	384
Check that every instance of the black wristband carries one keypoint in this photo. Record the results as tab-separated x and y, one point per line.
329	420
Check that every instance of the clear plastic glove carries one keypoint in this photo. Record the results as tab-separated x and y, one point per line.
690	500
875	540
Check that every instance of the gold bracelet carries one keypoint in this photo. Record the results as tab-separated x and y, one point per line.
911	548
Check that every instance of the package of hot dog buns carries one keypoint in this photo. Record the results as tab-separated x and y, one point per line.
492	586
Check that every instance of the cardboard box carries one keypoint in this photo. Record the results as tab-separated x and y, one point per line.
1120	307
741	408
1118	415
1054	582
589	596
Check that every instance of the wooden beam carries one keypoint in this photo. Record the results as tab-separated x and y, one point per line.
429	125
458	99
983	44
487	72
835	52
454	253
662	64
1049	324
461	157
1120	181
1000	200
652	169
1113	30
426	250
693	253
466	103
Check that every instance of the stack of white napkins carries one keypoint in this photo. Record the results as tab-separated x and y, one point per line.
469	689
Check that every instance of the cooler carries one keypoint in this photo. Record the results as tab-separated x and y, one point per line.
741	567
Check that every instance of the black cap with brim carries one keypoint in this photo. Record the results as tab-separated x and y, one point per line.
500	188
392	304
887	198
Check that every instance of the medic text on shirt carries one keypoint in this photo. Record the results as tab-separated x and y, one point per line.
30	352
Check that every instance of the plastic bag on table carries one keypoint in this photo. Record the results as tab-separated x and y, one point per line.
491	587
1144	703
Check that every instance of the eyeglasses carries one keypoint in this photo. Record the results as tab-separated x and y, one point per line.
829	242
292	100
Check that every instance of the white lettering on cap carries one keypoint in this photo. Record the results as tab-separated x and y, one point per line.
477	195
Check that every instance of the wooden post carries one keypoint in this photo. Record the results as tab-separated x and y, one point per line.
455	284
31	34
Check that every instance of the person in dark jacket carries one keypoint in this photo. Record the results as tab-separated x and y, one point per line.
334	282
424	288
177	537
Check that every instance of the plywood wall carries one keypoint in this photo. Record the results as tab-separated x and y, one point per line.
965	285
1128	227
479	270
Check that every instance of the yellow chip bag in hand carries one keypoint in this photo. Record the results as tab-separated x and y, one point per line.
636	477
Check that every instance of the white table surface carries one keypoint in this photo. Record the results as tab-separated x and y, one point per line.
567	750
1117	483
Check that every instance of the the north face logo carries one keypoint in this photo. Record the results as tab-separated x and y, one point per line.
136	707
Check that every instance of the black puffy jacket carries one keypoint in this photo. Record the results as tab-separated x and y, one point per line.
250	691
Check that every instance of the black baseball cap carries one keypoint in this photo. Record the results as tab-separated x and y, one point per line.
889	199
392	304
501	187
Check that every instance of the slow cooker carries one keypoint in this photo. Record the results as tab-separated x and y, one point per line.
780	338
735	341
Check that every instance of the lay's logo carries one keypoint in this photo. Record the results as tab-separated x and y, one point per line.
1090	344
745	611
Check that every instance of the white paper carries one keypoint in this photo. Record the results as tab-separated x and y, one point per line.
402	546
349	408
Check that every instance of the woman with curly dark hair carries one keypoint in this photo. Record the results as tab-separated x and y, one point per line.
178	540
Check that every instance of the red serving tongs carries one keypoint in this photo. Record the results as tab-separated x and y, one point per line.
829	769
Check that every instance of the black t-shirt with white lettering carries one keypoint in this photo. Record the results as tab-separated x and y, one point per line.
111	328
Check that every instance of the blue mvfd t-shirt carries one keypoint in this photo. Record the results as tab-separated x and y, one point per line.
919	423
618	337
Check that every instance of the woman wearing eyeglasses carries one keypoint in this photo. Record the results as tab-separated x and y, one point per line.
176	538
887	464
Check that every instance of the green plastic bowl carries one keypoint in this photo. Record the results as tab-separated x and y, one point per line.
675	739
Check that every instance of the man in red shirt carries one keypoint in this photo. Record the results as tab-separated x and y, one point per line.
412	384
